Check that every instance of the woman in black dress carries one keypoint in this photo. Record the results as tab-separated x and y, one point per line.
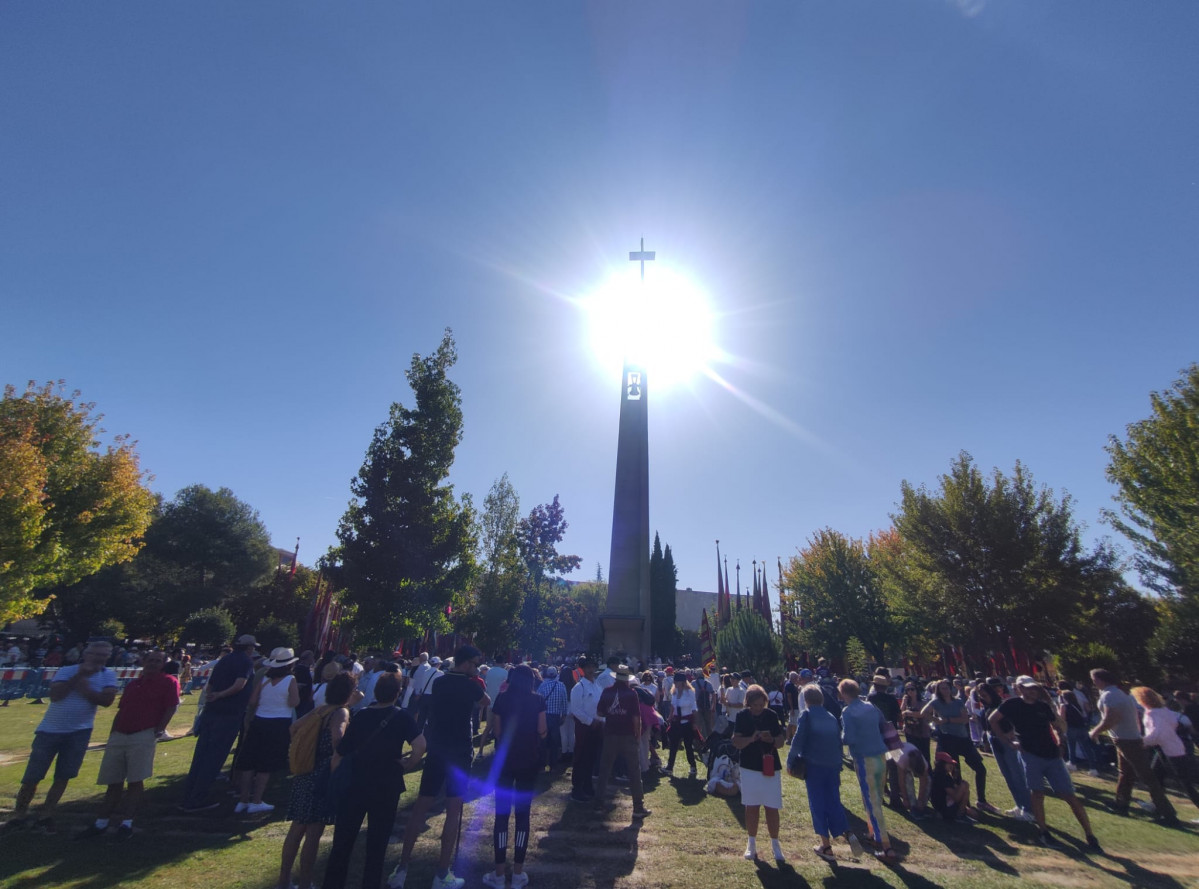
307	810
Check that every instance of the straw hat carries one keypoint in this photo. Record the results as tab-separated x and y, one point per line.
280	657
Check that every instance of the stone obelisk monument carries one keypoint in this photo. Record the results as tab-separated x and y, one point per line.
627	619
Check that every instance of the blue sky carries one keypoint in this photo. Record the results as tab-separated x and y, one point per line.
923	227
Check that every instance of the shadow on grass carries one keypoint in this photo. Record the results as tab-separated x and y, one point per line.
690	791
1133	873
977	841
738	810
582	838
163	836
778	876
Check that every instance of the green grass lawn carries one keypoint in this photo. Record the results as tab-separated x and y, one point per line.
690	837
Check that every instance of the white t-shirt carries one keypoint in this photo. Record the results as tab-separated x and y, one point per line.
734	701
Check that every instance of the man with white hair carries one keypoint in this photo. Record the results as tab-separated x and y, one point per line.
64	731
421	677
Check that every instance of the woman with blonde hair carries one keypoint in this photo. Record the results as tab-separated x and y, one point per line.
759	734
1161	733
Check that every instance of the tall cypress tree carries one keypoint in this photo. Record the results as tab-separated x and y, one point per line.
663	581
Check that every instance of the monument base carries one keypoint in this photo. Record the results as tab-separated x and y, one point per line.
623	636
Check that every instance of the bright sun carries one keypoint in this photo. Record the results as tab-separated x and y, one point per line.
664	324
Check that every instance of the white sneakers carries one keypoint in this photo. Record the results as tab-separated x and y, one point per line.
494	880
252	808
520	880
751	849
449	881
1071	767
777	849
397	878
1094	773
1022	814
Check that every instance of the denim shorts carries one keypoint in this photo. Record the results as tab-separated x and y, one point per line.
69	747
1039	769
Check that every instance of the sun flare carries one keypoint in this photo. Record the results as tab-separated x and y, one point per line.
664	324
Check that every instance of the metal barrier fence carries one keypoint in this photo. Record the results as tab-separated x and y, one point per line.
34	682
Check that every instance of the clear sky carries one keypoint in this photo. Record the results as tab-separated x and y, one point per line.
922	227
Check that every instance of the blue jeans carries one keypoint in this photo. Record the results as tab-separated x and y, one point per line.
1013	772
213	743
1079	739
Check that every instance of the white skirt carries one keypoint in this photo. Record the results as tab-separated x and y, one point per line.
758	790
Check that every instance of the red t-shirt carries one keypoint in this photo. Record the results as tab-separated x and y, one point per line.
619	706
144	702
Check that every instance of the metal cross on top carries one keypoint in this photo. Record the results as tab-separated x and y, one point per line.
641	256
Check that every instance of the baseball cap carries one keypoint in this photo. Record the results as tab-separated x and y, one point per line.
945	757
1026	682
435	661
805	673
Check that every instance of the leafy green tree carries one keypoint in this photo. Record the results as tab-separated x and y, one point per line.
406	545
747	642
1076	660
67	507
272	633
110	629
1156	472
840	595
492	612
993	559
283	597
856	658
209	627
539	534
1175	645
214	543
576	618
663	583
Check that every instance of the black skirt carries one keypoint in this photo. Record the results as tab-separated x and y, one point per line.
265	745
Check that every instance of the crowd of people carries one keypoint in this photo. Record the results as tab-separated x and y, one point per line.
350	730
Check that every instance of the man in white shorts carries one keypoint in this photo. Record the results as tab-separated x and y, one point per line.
144	710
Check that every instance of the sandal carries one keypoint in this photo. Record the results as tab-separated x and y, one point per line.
825	852
887	856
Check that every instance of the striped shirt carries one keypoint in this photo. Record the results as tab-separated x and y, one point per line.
556	701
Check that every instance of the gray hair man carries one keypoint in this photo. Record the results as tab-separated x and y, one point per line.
63	734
